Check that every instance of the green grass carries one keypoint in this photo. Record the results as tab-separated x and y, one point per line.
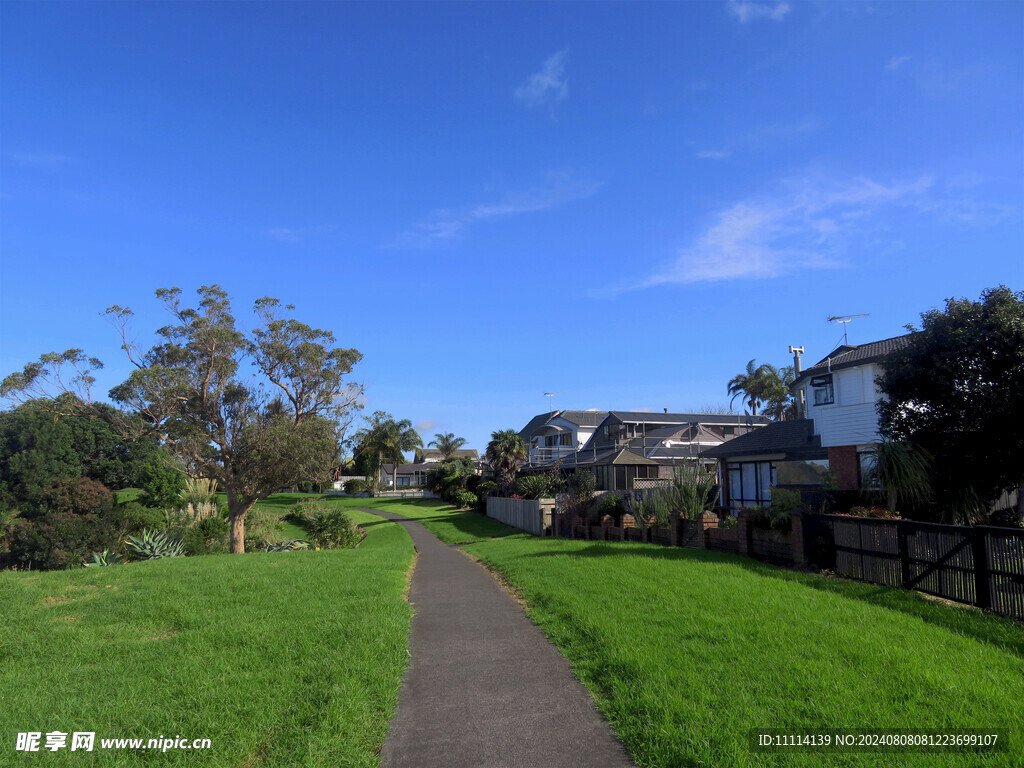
277	506
446	522
687	651
290	659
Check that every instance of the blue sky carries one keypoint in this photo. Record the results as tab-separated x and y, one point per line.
622	203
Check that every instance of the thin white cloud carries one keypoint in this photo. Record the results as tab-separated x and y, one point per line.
547	85
424	426
443	226
896	62
804	227
751	10
293	235
714	154
46	160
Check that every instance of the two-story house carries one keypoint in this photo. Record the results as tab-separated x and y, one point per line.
557	434
840	396
631	446
838	433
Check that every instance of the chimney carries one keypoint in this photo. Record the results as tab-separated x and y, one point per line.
666	410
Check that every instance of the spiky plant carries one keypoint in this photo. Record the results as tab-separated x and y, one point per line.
690	490
288	546
103	559
152	545
902	474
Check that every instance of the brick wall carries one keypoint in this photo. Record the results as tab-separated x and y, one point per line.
842	461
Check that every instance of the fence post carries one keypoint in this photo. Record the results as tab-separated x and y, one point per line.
797	539
744	534
904	550
983	598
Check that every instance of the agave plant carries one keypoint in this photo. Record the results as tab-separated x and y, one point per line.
104	558
288	546
151	545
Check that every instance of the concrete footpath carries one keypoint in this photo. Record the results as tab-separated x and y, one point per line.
484	687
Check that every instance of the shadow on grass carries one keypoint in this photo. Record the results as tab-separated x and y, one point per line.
1000	631
474	524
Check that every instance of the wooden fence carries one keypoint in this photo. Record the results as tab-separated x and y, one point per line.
980	565
531	515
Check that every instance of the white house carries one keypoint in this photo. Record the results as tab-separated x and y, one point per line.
554	435
840	396
838	435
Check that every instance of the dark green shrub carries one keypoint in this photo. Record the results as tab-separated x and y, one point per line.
611	504
352	487
161	482
72	519
137	517
579	490
206	537
463	499
333	529
302	512
539	486
729	523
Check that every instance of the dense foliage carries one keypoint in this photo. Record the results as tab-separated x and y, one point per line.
505	454
449	478
767	387
191	392
384	440
956	392
38	447
72	519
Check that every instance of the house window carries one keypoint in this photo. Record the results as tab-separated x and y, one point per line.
750	483
821	386
403	480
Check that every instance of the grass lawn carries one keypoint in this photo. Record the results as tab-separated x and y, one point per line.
277	506
687	651
289	659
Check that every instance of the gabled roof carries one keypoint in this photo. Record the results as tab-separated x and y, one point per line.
585	419
849	355
795	438
645	417
603	457
406	469
422	454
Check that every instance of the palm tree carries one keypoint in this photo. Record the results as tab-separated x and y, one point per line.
386	439
775	383
747	385
447	444
763	384
504	454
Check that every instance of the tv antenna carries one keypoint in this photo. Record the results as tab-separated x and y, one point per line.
550	395
845	320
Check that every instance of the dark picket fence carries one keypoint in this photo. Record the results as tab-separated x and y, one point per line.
980	565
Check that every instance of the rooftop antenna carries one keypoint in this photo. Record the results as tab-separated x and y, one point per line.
845	320
550	395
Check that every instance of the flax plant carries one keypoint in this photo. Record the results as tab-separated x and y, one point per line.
690	490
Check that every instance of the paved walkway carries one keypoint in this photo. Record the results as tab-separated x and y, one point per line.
485	688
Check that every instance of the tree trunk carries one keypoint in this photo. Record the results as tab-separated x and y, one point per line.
238	508
238	533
